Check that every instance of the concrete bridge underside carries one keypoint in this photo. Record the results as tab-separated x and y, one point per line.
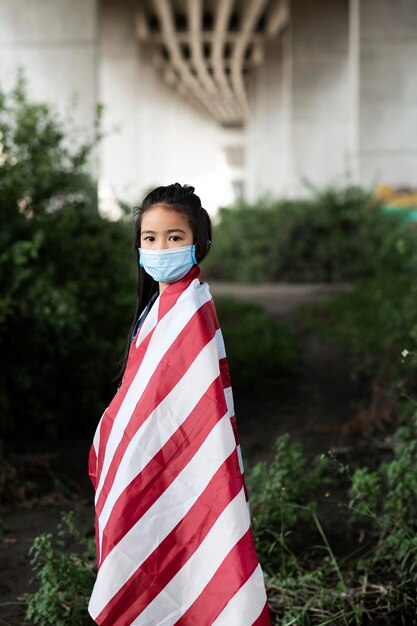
233	96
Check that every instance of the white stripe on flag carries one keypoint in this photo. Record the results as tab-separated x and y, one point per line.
162	423
239	456
185	587
99	544
228	394
165	333
244	608
149	322
96	440
220	344
159	520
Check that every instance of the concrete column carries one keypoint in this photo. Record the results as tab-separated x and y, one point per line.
161	138
354	91
268	145
55	43
387	132
320	91
300	111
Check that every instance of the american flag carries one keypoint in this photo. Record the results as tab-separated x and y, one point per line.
173	528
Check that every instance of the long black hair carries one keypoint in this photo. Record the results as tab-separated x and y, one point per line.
180	198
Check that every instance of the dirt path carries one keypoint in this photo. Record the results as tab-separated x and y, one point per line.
316	406
313	408
278	299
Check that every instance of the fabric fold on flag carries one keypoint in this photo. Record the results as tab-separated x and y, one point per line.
173	529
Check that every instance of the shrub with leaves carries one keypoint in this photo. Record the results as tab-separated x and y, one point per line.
281	496
309	581
65	577
66	274
376	324
387	500
335	235
251	337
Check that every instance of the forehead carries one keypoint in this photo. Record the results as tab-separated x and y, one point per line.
160	217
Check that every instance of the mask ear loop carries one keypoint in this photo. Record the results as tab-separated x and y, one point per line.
193	257
193	251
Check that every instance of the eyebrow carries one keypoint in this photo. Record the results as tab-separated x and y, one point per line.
168	230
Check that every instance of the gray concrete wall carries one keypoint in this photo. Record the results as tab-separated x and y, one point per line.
320	90
387	138
268	151
55	42
87	50
336	97
299	98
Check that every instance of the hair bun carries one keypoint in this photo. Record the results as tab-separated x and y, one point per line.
188	189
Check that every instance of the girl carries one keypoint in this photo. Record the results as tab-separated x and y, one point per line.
173	533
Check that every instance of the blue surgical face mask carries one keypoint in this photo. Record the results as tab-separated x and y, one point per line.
168	265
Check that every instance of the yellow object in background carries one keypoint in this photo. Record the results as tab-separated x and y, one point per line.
400	197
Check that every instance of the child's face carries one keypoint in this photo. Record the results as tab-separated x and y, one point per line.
162	227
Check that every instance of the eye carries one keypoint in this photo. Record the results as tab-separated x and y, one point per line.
148	237
176	238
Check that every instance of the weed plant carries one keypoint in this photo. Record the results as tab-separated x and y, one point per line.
309	581
65	577
376	324
334	235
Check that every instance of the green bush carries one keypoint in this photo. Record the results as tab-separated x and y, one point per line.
67	278
65	577
308	583
337	235
280	495
260	351
376	322
387	498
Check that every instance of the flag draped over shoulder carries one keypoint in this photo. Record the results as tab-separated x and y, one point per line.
173	531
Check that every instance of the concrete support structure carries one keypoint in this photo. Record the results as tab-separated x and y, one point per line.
268	140
162	138
55	42
325	89
300	103
387	94
320	90
335	100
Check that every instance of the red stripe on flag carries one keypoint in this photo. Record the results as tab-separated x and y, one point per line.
224	371
96	538
92	466
107	421
175	549
182	353
170	295
236	433
135	358
105	430
233	572
234	426
244	487
264	618
165	466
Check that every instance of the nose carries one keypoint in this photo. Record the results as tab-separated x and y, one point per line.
161	245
